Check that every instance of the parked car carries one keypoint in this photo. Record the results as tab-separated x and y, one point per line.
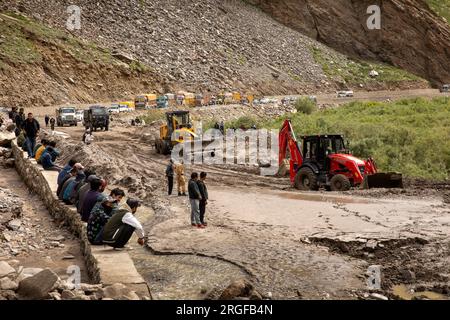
114	109
444	88
345	94
124	108
79	115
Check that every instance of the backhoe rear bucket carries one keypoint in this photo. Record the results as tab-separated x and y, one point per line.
383	180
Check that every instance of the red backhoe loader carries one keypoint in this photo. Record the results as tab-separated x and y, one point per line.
323	161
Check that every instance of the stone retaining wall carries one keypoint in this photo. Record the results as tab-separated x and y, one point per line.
119	266
33	177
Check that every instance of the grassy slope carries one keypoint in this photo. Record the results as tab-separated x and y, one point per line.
21	35
355	72
442	7
409	136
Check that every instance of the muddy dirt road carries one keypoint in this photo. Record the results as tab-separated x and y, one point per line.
291	245
325	99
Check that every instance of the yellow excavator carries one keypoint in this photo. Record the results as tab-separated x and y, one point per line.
178	126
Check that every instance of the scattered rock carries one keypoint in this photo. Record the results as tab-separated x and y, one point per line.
239	288
118	291
55	295
15	224
38	286
408	275
7	284
371	244
8	294
378	296
5	269
67	295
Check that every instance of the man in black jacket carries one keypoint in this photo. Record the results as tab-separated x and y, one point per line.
31	127
194	197
169	175
204	201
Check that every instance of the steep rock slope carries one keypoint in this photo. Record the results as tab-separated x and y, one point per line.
412	36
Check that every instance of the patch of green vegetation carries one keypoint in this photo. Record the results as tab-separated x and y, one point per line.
138	66
24	37
441	7
357	71
305	105
243	122
294	77
15	47
408	136
153	115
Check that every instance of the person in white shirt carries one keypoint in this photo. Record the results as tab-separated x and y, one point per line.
120	227
88	137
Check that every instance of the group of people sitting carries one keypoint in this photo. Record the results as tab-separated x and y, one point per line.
45	153
108	221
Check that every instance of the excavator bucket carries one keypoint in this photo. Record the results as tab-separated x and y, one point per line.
383	180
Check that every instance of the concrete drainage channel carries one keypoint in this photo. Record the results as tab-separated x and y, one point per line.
104	265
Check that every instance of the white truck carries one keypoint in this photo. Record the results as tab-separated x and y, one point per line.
66	115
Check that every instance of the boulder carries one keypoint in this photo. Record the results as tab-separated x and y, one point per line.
6	137
27	272
7	284
118	291
5	269
239	288
37	287
67	295
15	224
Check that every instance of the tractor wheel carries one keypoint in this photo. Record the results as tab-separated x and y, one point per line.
306	180
158	147
340	183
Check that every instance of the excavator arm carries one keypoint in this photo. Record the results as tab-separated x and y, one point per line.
288	142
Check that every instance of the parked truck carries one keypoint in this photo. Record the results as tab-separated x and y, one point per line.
66	115
96	117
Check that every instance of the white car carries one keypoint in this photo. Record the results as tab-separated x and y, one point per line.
124	108
114	109
79	115
345	94
264	101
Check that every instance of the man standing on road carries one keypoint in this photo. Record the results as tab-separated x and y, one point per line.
204	201
12	114
194	198
181	181
20	121
52	124
31	128
169	175
47	120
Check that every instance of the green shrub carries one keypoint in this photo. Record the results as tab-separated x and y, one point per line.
243	122
305	105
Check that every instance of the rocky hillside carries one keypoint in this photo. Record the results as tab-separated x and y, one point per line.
413	36
42	66
212	45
